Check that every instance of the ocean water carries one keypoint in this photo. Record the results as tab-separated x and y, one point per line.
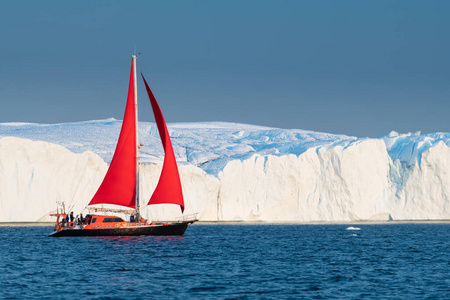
396	261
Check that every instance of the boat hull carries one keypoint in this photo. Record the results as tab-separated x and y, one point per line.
176	229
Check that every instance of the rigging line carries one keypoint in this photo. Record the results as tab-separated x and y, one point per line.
72	203
97	170
184	190
186	196
139	185
70	208
149	182
139	67
144	207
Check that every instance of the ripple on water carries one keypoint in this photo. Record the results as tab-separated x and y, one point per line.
231	262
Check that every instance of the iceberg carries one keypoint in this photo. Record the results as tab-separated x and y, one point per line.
232	172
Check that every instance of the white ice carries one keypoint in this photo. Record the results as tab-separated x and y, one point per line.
233	172
353	228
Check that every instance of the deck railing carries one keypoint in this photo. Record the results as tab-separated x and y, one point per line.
191	217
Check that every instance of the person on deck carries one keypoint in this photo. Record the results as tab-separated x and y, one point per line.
71	216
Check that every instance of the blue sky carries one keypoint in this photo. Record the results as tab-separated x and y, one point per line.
360	68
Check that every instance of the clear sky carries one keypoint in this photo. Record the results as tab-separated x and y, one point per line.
360	68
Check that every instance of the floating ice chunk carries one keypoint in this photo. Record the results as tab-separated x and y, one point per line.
353	228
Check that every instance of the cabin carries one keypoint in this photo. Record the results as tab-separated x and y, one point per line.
103	222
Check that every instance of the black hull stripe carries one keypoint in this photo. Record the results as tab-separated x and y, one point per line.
165	230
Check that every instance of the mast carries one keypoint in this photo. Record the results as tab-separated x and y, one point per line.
119	184
138	216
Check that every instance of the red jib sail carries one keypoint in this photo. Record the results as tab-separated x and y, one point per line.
119	185
168	189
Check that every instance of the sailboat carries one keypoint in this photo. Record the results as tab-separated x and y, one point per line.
120	186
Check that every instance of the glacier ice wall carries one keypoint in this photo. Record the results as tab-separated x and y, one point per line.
35	175
233	172
322	184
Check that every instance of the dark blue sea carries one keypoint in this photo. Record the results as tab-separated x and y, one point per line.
394	261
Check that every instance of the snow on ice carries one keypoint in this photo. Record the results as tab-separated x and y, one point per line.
232	172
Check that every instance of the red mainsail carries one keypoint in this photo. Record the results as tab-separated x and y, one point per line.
168	189
119	185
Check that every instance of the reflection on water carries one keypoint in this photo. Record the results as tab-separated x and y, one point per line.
231	261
